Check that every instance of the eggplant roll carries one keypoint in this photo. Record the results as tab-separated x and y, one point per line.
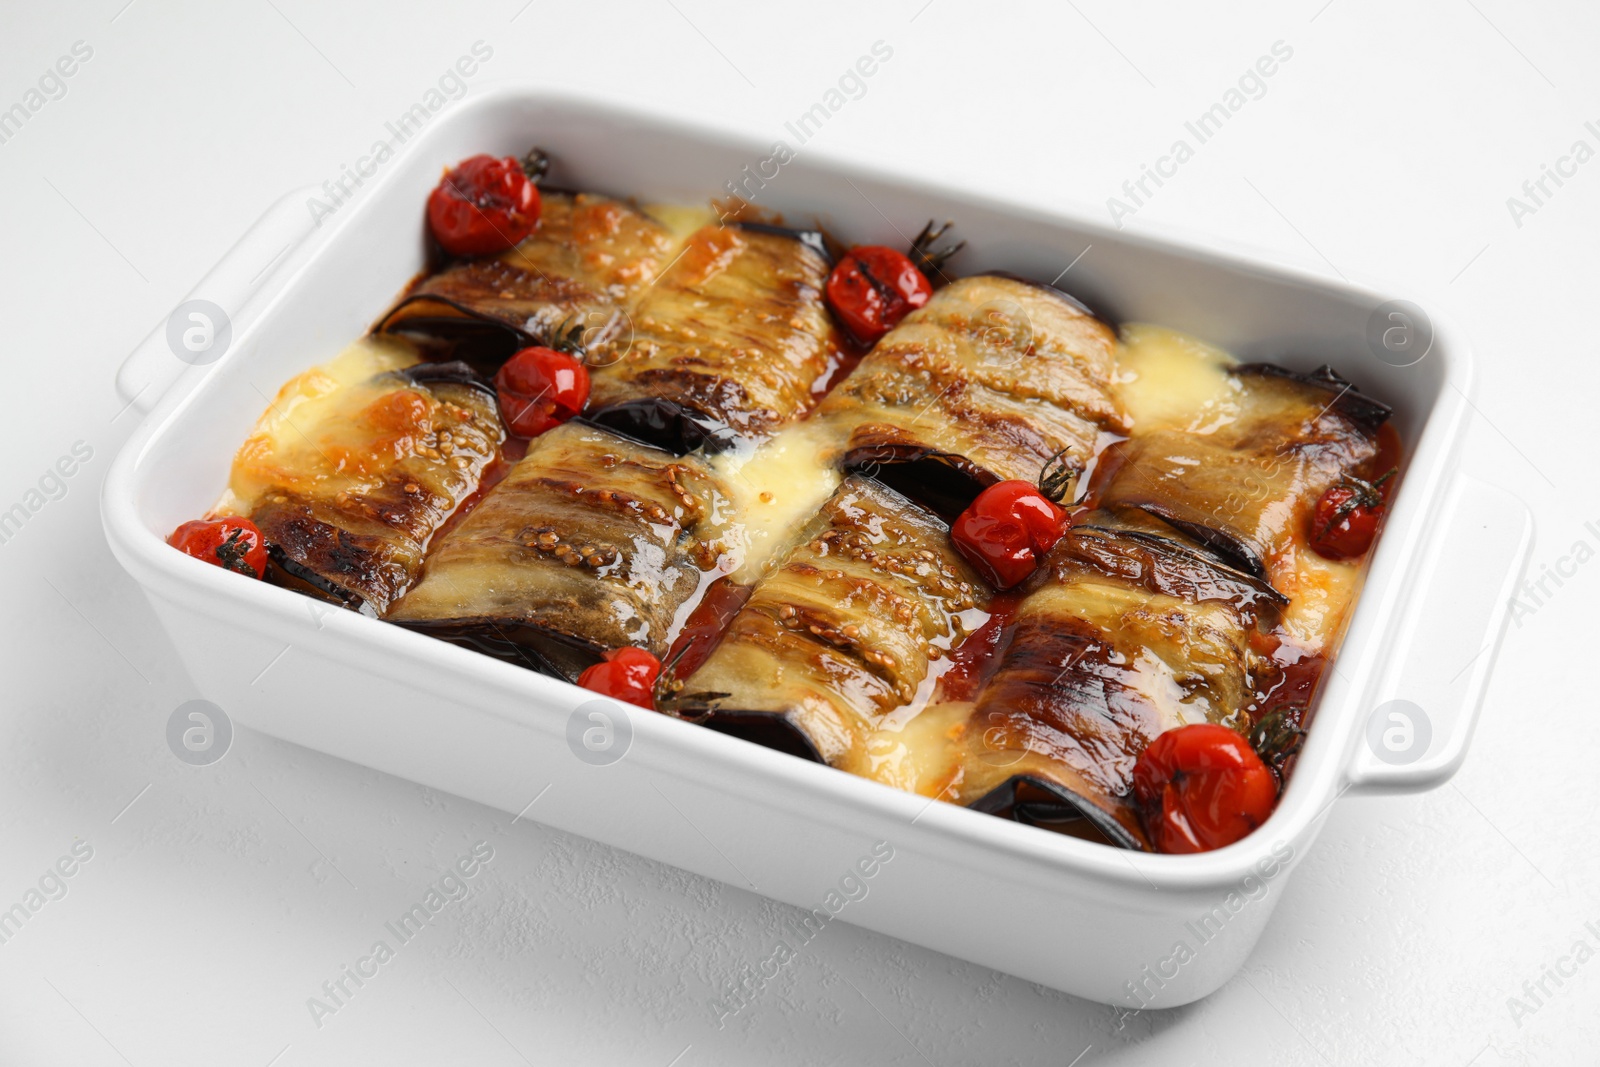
1125	633
584	263
357	463
986	382
1245	484
848	628
591	542
732	341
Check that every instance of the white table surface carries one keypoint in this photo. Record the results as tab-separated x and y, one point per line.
217	903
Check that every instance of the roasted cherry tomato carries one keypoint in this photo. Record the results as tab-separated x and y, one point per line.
483	205
626	674
539	388
229	542
1202	787
1007	530
873	288
1346	517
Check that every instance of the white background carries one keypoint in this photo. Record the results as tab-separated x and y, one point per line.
222	898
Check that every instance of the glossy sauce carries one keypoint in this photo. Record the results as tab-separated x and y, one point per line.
1291	681
976	657
706	624
844	358
1104	468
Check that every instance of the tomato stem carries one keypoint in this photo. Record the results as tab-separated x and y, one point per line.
536	164
925	257
567	337
1278	736
1363	494
1056	475
231	554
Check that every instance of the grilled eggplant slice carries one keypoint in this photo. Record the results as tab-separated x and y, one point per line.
1123	635
986	382
848	629
588	258
357	463
733	341
1246	485
590	543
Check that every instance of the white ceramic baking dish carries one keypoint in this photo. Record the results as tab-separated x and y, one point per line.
1100	923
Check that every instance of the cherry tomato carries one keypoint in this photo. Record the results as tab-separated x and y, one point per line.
539	388
625	674
1202	787
1346	517
483	205
229	542
1007	530
873	288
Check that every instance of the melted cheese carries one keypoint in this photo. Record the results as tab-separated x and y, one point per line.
920	754
1172	381
777	486
681	219
1321	593
299	435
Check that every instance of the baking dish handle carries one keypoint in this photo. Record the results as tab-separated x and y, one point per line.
199	331
1416	734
